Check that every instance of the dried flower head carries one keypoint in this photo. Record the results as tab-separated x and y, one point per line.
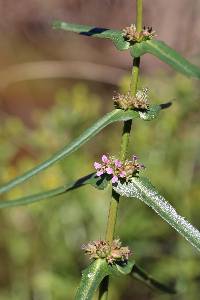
142	101
131	34
116	170
127	101
112	252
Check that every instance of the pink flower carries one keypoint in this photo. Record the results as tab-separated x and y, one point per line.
135	157
114	179
99	173
97	165
118	163
105	159
109	170
122	174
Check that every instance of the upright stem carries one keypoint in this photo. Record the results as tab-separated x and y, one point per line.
114	203
139	15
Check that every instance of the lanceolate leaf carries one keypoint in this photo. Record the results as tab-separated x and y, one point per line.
95	273
167	55
99	183
155	47
139	274
91	279
114	116
88	179
104	33
142	189
153	111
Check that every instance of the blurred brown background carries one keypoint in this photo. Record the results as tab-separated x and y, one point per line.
30	49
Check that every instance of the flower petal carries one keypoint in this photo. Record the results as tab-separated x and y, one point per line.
105	159
109	170
122	174
97	165
114	179
99	173
118	163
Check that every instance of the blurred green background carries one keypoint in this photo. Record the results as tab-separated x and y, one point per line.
54	85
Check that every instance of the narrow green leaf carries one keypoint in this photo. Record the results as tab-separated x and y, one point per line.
95	273
142	189
114	116
91	279
153	111
104	33
88	179
141	275
167	55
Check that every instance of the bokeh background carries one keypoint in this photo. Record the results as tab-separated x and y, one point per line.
53	85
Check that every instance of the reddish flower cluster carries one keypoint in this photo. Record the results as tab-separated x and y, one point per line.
118	170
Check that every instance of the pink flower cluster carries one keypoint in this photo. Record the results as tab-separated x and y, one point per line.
116	169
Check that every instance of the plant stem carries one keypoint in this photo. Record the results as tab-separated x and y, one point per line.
139	15
135	76
114	203
110	230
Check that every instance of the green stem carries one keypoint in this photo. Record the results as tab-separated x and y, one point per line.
139	15
114	203
128	124
135	76
112	217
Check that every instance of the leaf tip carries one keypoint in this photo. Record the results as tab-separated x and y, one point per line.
56	24
165	105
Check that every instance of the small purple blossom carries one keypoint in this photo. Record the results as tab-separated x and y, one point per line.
99	173
97	165
105	159
122	174
118	163
114	179
109	170
115	170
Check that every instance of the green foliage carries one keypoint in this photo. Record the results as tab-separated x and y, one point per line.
91	278
114	116
104	33
141	275
141	188
95	273
167	55
62	226
98	182
155	47
89	179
